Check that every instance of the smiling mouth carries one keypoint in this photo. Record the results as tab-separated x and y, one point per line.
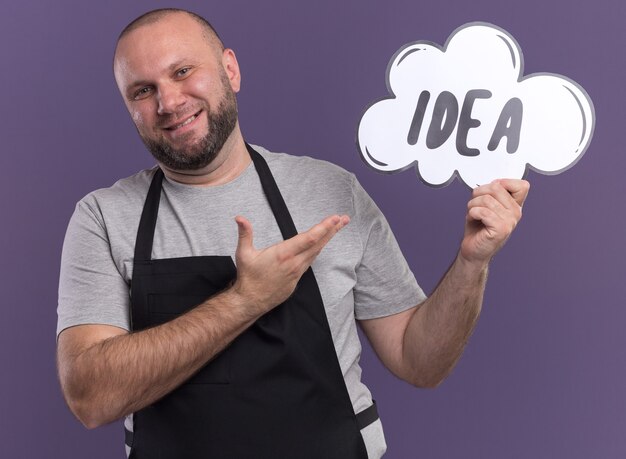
184	123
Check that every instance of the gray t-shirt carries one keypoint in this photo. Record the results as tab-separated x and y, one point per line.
361	272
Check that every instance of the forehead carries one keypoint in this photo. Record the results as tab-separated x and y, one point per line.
156	46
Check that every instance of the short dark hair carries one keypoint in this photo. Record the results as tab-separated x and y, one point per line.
158	14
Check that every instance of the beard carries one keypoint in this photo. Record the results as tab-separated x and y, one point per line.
199	155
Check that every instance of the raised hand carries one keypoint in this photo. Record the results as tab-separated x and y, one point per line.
267	277
493	213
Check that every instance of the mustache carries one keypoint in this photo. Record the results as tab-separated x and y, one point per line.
173	119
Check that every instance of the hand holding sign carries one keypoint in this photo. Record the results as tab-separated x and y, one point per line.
466	109
492	214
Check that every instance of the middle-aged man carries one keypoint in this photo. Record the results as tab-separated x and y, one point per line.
215	346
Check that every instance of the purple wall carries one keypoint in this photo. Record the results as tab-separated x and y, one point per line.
543	375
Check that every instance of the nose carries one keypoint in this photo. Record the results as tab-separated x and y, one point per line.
170	99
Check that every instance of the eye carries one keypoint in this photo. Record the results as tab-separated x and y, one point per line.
182	72
142	93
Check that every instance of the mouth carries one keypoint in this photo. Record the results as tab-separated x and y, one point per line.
186	122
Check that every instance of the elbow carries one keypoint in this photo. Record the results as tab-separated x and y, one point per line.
87	404
426	373
91	422
87	412
89	419
84	384
425	383
431	383
88	422
427	380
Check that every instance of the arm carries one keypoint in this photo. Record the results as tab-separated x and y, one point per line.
422	345
107	373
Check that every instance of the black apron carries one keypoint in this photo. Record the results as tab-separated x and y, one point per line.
275	392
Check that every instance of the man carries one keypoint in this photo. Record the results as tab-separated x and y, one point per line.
256	358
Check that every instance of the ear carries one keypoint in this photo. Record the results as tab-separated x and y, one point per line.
231	67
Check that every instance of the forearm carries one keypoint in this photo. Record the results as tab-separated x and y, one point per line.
422	344
439	329
124	373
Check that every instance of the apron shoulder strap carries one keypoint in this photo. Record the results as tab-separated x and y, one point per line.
276	201
147	223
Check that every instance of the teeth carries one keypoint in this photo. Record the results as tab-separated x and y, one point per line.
189	120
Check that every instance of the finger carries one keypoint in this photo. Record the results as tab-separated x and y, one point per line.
518	189
498	192
489	202
322	234
343	221
307	257
244	228
487	217
317	236
491	221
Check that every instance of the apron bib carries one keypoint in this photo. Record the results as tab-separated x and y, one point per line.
275	392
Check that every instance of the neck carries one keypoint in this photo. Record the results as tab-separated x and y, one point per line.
229	163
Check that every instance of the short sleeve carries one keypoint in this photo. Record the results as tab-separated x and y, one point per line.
91	288
385	283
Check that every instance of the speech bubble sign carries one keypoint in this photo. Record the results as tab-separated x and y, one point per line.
466	110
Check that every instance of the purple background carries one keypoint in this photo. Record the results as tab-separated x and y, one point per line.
544	374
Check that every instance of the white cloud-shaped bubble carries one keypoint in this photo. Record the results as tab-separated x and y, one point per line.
467	109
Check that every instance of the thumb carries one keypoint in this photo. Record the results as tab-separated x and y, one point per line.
244	228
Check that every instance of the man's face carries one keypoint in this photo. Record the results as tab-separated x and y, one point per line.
177	91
